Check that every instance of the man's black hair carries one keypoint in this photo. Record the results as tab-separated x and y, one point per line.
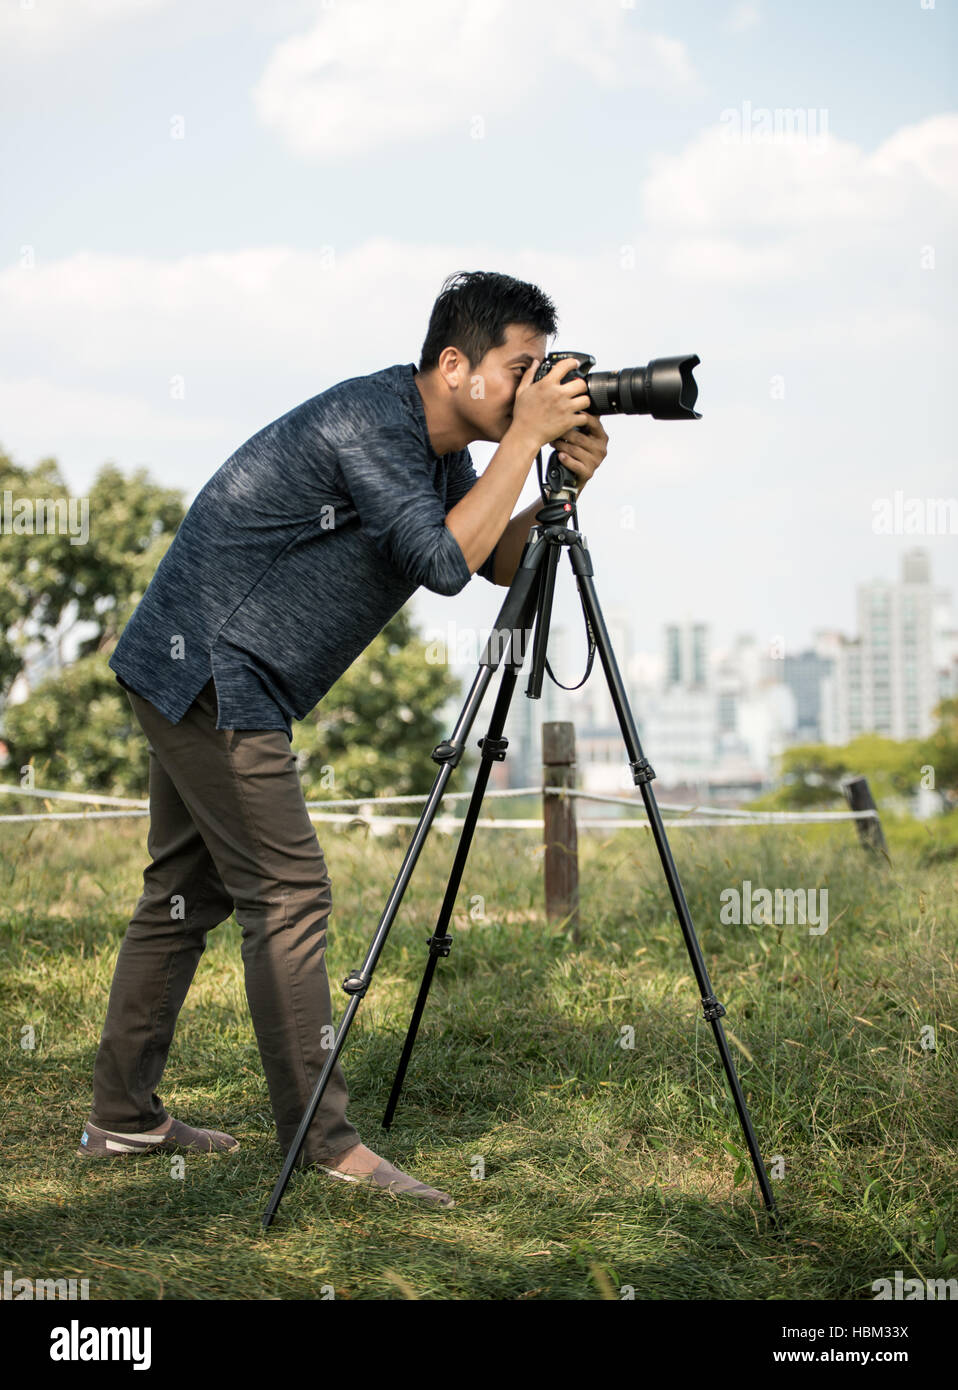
473	309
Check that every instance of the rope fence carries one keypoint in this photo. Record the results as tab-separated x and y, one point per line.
559	824
691	816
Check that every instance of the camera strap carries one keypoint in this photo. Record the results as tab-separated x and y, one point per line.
588	666
590	635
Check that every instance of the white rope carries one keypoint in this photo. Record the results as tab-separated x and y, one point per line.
14	790
588	823
722	815
347	801
450	823
71	796
723	812
78	815
728	812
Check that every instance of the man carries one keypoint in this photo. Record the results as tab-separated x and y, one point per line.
292	557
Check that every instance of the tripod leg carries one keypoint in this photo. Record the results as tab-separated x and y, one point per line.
548	571
493	750
523	604
509	623
447	754
642	775
293	1153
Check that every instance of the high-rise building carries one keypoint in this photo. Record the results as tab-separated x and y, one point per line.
945	644
805	675
686	655
898	683
885	680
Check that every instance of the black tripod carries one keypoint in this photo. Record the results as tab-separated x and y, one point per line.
528	602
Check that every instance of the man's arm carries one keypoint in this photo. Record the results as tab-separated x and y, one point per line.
549	409
512	543
581	452
482	517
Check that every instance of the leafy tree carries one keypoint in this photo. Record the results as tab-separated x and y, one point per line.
78	732
373	733
940	751
812	773
47	581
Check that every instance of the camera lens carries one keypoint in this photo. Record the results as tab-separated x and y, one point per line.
665	389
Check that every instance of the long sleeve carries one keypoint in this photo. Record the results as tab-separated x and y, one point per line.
399	508
461	477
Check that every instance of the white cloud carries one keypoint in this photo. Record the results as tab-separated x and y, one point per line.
84	426
764	260
373	74
928	150
45	24
82	411
763	209
716	260
742	17
718	216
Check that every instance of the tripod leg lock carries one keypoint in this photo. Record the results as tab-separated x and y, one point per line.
355	984
712	1008
494	748
447	752
641	771
439	945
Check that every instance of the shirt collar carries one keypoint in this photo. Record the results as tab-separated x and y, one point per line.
406	376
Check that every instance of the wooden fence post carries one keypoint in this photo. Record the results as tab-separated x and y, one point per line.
561	838
859	798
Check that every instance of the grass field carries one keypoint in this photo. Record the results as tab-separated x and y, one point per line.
604	1167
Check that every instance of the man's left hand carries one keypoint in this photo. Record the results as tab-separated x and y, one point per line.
583	449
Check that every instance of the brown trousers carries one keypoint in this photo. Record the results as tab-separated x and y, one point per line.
229	830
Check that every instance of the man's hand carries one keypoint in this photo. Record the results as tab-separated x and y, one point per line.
582	450
549	406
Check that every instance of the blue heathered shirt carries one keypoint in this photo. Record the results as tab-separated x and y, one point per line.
296	553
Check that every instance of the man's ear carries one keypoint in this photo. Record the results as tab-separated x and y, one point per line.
453	367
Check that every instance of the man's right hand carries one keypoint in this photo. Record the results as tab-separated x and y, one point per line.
541	412
549	408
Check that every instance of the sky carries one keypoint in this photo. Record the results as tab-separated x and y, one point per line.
214	210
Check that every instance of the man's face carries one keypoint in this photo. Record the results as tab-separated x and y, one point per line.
491	389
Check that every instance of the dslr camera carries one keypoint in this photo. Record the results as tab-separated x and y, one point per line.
665	389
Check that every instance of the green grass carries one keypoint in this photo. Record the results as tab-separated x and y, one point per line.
604	1166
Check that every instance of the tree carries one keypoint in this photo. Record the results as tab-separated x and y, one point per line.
812	773
940	752
49	576
79	733
373	733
